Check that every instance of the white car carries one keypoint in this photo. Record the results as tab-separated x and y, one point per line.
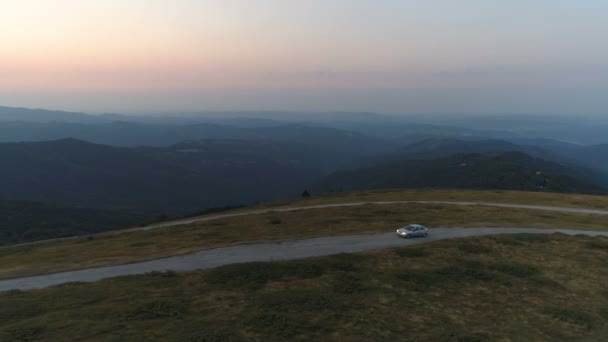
413	230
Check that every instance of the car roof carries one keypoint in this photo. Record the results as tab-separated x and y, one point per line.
415	226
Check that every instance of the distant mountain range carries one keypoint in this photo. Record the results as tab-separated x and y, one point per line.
137	134
39	124
443	147
503	170
183	177
586	156
199	174
12	114
58	168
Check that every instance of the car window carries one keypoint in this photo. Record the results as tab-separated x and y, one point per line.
416	229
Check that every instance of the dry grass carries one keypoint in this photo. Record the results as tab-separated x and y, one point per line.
497	196
511	288
122	247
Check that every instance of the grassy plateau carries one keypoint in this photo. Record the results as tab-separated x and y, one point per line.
136	245
499	288
496	196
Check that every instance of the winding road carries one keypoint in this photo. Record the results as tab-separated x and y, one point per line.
322	206
354	204
266	252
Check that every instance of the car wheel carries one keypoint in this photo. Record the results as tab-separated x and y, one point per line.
407	236
426	234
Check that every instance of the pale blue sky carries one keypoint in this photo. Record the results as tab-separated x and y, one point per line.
482	56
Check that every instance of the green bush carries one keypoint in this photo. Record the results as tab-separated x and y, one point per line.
533	238
298	300
343	262
21	334
282	325
462	335
275	220
256	274
332	221
447	276
203	331
347	283
514	269
159	274
141	244
411	252
458	274
598	244
422	278
473	248
18	308
213	336
544	281
507	240
573	316
476	274
21	305
160	309
473	338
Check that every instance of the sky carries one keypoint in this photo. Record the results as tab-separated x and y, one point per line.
390	56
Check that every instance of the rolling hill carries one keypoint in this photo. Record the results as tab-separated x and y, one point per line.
592	156
24	221
507	170
184	177
132	134
445	147
497	287
13	114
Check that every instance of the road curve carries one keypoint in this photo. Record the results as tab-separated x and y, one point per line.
265	252
354	204
321	206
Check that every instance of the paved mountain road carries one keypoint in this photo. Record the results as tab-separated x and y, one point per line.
266	252
354	204
321	206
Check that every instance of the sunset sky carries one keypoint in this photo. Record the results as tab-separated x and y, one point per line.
394	56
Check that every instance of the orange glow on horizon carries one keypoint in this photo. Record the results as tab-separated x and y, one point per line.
433	51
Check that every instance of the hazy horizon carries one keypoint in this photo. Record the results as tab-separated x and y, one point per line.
158	56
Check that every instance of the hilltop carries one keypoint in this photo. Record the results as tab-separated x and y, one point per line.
318	216
520	287
468	283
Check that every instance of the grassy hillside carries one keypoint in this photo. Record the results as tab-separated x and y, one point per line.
124	133
114	185
593	156
445	147
521	287
472	195
509	171
127	246
184	177
31	221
